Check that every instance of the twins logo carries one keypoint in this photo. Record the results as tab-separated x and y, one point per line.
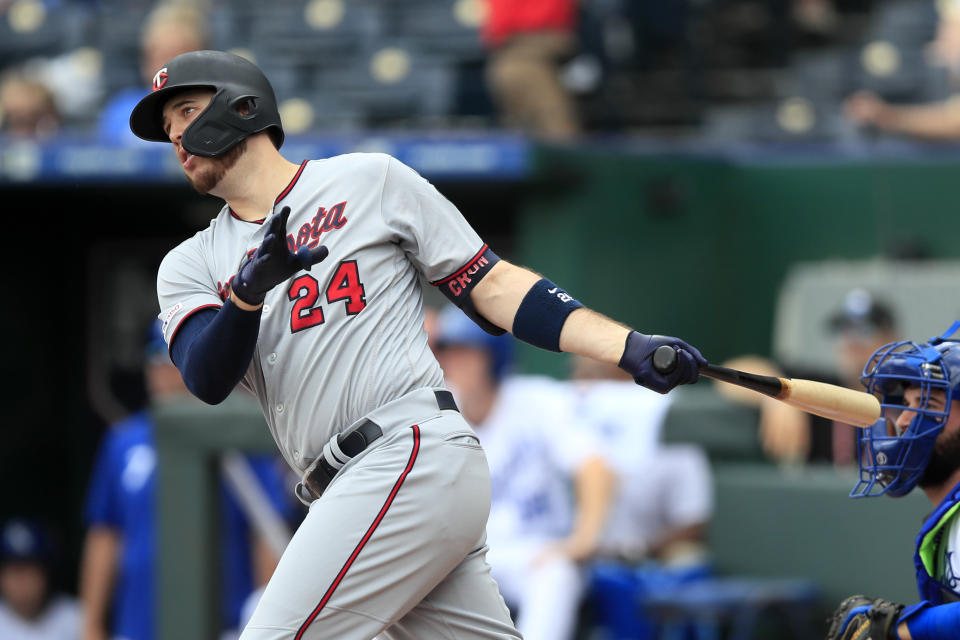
160	79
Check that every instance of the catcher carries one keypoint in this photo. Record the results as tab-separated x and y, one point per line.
917	442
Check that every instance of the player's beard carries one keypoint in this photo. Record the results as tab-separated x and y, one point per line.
213	171
944	461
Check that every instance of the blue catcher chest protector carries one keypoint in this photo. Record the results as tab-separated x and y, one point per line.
893	459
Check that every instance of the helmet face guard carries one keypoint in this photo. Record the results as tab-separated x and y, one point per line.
219	127
893	459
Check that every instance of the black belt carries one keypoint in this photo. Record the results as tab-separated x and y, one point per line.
353	443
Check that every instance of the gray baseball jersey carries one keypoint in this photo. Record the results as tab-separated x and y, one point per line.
346	337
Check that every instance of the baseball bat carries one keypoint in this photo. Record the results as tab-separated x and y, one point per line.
830	401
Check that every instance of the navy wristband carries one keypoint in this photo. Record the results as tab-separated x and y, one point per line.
541	315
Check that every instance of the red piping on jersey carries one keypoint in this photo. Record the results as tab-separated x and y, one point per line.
179	324
366	537
283	194
469	264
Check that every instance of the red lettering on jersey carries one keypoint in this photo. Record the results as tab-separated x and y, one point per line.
223	290
303	235
460	282
324	221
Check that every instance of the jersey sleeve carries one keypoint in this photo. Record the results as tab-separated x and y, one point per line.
184	286
429	228
101	507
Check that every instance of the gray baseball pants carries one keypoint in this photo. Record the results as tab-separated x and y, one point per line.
395	547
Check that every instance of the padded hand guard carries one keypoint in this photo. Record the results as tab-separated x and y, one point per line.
863	618
272	262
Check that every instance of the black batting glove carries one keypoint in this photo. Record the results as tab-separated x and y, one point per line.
273	262
863	618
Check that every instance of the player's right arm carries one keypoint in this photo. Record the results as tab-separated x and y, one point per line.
97	576
101	548
500	296
540	313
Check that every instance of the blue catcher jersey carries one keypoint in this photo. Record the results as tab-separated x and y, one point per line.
122	496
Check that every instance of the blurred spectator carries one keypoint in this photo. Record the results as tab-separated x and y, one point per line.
169	30
539	531
656	531
932	121
28	608
27	108
859	327
818	17
118	569
528	41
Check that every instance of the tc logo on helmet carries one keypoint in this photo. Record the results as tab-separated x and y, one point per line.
160	79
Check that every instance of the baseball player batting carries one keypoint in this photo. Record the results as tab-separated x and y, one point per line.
305	289
915	444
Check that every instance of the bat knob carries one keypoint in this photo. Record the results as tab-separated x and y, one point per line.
665	359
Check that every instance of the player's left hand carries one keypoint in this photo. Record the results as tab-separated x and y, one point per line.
637	360
863	618
273	262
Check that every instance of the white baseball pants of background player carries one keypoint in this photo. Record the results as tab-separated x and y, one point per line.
395	547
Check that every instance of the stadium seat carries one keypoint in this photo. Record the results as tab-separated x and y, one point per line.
450	28
42	31
391	84
923	297
331	29
726	431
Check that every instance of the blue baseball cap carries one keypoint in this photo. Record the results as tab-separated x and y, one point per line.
24	541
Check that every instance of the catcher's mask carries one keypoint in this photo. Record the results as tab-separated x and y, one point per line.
893	459
220	126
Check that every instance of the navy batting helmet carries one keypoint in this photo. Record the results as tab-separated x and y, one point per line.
455	329
219	127
892	461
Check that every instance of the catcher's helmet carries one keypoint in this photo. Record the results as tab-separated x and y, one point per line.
893	464
455	329
219	127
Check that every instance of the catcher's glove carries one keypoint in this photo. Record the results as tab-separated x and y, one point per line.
863	618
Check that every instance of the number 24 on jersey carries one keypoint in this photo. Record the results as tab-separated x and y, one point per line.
304	292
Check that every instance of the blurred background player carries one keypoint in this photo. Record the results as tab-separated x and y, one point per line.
858	327
551	488
169	30
29	608
657	529
937	120
916	443
118	573
27	108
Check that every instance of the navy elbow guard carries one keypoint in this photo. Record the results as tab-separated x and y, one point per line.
457	287
542	313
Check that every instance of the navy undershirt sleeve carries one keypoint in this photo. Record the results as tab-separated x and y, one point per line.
212	349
